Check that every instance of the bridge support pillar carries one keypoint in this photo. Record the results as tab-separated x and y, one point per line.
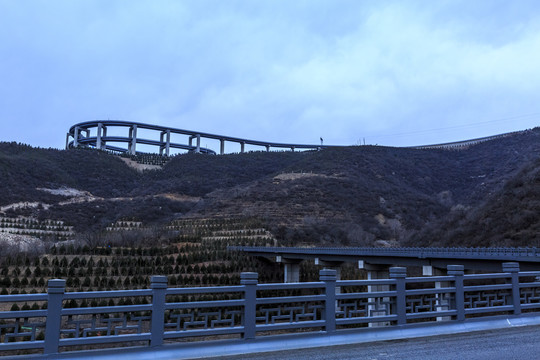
133	140
242	147
267	148
165	140
76	137
377	306
292	273
98	136
101	133
198	143
291	269
222	147
442	302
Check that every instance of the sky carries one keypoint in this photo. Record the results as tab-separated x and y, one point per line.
396	73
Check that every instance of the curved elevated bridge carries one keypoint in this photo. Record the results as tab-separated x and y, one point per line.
95	134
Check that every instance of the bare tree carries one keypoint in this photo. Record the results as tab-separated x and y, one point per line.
93	238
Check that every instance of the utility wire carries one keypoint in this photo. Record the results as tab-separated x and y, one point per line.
458	126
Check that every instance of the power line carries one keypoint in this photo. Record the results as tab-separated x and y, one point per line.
458	126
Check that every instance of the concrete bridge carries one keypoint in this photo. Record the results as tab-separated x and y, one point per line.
97	133
378	261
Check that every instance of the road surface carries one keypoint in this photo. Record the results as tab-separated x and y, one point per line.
513	343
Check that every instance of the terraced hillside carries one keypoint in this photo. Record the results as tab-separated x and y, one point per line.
192	254
56	230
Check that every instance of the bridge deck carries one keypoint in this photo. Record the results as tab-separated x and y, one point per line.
471	258
163	134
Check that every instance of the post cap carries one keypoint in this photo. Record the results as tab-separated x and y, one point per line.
327	275
398	272
249	278
455	269
510	267
56	283
56	286
249	275
158	282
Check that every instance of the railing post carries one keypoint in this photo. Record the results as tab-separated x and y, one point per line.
513	269
400	273
55	291
329	277
158	284
250	281
457	272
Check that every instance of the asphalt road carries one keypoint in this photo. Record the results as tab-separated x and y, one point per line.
513	343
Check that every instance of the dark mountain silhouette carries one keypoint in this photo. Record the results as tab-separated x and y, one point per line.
484	195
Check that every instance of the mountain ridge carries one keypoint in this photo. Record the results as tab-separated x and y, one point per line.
338	196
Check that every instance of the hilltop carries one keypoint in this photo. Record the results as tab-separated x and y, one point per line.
356	196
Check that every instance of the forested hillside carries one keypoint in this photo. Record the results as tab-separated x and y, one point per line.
362	195
510	217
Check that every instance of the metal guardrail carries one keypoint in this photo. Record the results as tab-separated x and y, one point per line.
466	143
162	315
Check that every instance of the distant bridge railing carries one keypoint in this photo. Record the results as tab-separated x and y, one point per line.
457	145
67	321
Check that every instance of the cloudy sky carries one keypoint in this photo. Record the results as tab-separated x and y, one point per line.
388	72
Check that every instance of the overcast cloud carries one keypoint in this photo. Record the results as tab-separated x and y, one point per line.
393	72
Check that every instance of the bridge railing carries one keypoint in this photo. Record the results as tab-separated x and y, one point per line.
67	321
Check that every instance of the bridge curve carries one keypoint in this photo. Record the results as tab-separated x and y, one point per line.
94	133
